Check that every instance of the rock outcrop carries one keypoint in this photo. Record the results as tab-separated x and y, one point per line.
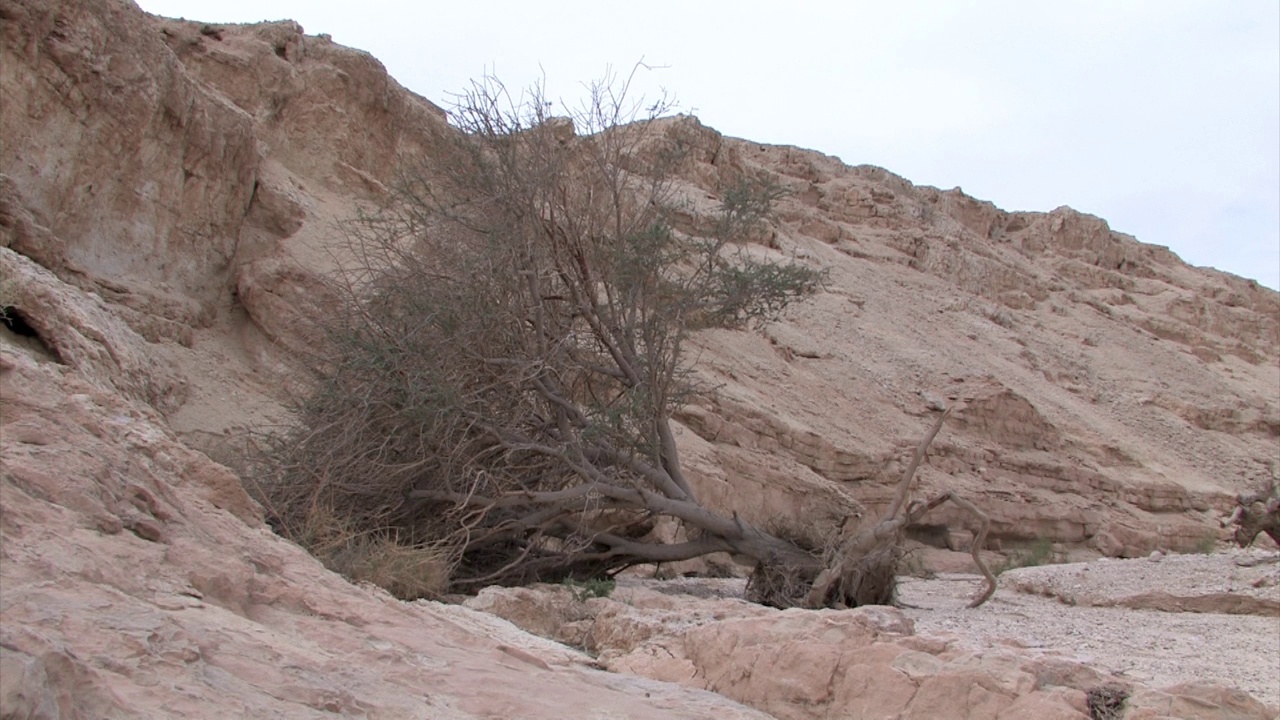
1202	586
138	580
170	199
867	662
1109	394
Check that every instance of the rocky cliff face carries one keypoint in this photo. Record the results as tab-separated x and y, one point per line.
1107	393
169	197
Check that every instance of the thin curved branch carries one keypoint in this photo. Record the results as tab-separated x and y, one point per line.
918	510
904	486
978	542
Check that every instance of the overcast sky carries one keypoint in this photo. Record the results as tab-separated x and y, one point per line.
1161	116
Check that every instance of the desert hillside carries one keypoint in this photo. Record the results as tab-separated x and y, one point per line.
170	199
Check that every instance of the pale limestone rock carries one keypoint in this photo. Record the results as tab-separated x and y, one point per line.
132	590
1052	704
168	198
1193	701
800	664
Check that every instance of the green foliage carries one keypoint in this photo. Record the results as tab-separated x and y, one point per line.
914	565
737	288
1040	553
584	590
514	332
8	289
1207	543
750	291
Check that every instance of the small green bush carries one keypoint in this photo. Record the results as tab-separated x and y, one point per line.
584	590
1040	553
915	566
1207	543
8	289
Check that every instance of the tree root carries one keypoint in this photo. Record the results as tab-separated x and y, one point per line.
863	568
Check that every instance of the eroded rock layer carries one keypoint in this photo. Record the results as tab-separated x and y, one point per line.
170	197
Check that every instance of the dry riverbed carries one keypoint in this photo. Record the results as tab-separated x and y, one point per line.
1087	610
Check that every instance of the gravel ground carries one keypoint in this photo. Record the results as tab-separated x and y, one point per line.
1238	574
1157	648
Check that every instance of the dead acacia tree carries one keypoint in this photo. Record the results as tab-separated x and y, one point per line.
503	384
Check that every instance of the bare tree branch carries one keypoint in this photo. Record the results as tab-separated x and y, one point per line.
501	385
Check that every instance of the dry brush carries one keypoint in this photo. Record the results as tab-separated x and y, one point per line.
501	386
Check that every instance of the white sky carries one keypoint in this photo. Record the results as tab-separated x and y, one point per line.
1162	116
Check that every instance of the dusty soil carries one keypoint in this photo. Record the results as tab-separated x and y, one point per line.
1156	647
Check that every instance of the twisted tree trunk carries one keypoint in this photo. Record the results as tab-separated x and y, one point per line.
1257	513
863	569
